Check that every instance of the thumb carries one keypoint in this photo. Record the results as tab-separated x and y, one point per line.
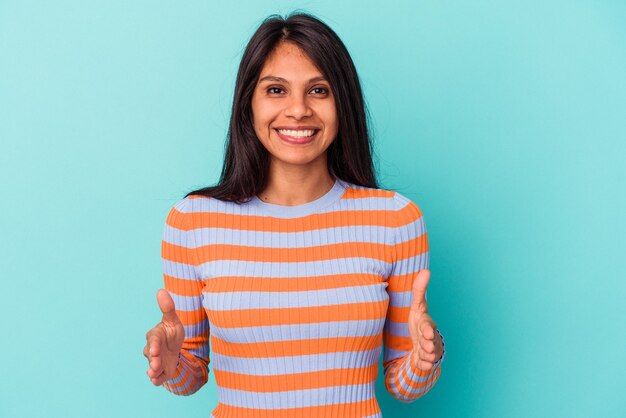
166	304
419	289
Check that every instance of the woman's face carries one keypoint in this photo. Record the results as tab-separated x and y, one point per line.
294	108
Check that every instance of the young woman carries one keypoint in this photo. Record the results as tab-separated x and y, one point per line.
296	266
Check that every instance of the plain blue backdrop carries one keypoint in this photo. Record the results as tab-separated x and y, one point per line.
503	120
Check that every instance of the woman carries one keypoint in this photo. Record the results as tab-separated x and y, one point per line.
295	265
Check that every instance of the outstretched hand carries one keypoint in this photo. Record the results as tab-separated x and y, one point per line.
164	341
427	344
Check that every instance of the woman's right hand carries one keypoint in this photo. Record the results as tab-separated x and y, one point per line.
164	341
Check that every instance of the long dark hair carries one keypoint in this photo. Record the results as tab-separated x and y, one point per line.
246	163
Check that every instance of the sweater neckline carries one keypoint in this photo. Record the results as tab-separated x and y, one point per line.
304	209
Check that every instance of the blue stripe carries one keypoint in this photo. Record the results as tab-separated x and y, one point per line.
186	303
348	265
411	264
400	299
413	376
227	301
354	265
392	354
179	270
197	329
297	239
401	329
202	351
268	239
295	364
211	205
297	398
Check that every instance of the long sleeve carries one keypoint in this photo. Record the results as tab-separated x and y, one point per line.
180	273
404	381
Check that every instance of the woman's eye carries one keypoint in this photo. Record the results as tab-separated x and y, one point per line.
320	90
278	90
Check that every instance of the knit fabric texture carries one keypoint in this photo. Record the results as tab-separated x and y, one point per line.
293	305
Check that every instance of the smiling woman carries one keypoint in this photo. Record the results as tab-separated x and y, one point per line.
295	115
296	267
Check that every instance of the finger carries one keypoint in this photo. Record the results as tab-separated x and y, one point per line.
152	373
155	364
154	346
154	377
427	330
427	345
419	290
421	363
430	357
421	355
158	381
166	304
146	352
424	365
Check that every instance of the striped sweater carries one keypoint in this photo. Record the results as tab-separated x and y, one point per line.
298	301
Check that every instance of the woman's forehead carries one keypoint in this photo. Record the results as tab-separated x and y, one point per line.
289	62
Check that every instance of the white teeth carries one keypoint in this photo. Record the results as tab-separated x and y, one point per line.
297	134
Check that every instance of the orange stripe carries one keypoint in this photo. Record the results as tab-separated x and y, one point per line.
272	349
288	284
186	287
396	314
178	254
197	363
195	371
402	376
411	248
215	252
415	385
404	250
397	375
197	341
296	381
306	315
186	377
363	408
398	343
191	317
183	287
409	213
386	218
401	283
420	372
352	193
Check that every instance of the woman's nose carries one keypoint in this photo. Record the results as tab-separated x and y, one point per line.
298	107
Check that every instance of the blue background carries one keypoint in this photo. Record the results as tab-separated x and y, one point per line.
504	121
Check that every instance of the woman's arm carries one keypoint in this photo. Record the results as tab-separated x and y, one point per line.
184	284
403	378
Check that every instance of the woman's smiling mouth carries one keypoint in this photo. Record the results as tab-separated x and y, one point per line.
297	136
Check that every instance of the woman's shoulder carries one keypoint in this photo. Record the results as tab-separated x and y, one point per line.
192	208
390	199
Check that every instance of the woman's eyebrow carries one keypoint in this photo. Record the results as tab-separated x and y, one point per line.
282	80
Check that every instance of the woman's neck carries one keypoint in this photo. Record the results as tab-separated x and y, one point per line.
296	186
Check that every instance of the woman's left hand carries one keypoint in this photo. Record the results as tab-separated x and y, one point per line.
427	344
